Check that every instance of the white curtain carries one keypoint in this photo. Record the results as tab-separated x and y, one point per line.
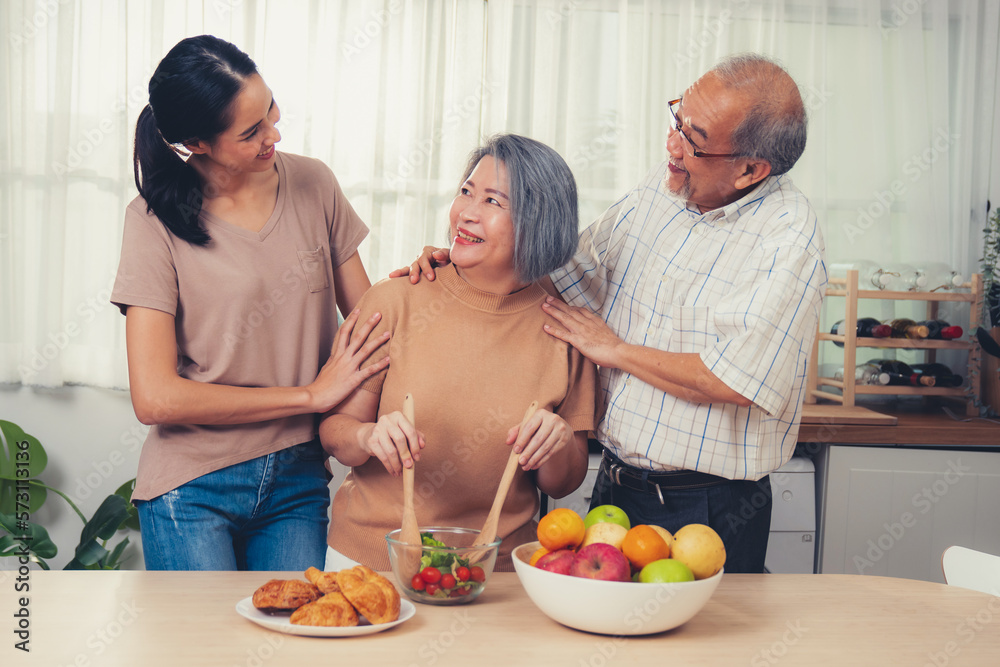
393	94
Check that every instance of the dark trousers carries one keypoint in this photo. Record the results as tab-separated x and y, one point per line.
739	511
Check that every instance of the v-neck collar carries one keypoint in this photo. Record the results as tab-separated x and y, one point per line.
272	221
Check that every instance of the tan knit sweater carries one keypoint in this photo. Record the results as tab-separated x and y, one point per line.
473	361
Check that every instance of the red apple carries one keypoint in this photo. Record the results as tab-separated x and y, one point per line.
601	561
558	561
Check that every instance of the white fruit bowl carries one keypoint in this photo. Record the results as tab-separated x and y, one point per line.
611	607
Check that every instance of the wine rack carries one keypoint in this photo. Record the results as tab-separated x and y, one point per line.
848	288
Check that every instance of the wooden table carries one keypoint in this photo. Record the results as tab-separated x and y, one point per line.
145	619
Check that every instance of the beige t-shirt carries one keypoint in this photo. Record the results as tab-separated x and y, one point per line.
473	361
252	309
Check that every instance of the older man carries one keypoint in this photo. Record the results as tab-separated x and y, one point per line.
697	294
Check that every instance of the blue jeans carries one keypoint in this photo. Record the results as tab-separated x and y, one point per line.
739	511
268	513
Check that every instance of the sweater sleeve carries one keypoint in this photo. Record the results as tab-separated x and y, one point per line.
579	407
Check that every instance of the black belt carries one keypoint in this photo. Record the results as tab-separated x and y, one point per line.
647	481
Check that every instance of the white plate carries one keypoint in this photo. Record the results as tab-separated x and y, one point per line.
281	622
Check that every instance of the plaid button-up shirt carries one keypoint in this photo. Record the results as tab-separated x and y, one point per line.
740	285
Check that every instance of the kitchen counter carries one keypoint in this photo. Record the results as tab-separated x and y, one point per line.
188	618
917	423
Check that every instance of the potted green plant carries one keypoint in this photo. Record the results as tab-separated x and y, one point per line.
22	493
990	269
989	335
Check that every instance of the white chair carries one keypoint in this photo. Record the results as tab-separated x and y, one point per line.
972	569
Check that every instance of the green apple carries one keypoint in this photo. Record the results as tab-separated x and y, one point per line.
609	514
665	571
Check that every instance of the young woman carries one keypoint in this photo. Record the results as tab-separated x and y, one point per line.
471	349
235	258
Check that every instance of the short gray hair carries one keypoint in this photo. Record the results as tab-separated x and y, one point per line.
543	202
774	127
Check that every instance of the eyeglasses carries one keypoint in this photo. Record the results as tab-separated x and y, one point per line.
671	105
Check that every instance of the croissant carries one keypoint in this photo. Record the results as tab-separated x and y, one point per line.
372	595
331	610
326	582
279	595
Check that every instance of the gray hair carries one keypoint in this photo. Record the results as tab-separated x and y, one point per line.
543	203
774	128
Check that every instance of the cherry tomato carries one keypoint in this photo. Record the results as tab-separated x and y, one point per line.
430	575
432	589
447	581
478	574
417	583
462	573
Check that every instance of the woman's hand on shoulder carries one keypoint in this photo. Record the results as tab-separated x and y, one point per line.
540	437
342	373
429	259
394	441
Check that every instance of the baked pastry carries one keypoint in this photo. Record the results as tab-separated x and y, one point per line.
372	595
279	595
331	610
326	582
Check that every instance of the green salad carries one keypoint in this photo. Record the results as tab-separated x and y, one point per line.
443	574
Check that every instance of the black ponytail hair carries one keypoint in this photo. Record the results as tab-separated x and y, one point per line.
190	98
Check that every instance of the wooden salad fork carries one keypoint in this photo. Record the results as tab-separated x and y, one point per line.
409	532
489	532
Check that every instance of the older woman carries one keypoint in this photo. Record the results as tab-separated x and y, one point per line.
471	349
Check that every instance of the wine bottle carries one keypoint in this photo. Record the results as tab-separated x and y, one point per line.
943	376
865	374
907	328
900	373
867	327
870	274
941	330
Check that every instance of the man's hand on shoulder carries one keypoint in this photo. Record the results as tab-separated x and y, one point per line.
585	331
681	374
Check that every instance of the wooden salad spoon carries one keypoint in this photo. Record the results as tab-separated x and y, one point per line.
409	532
489	532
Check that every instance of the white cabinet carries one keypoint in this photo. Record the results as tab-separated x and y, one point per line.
791	543
892	511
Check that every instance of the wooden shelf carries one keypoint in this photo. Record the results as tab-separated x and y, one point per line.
848	288
896	389
905	343
901	296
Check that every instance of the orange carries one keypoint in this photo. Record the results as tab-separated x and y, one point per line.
643	545
539	552
562	528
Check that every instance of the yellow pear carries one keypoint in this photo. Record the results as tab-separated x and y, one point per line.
606	532
665	534
700	548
